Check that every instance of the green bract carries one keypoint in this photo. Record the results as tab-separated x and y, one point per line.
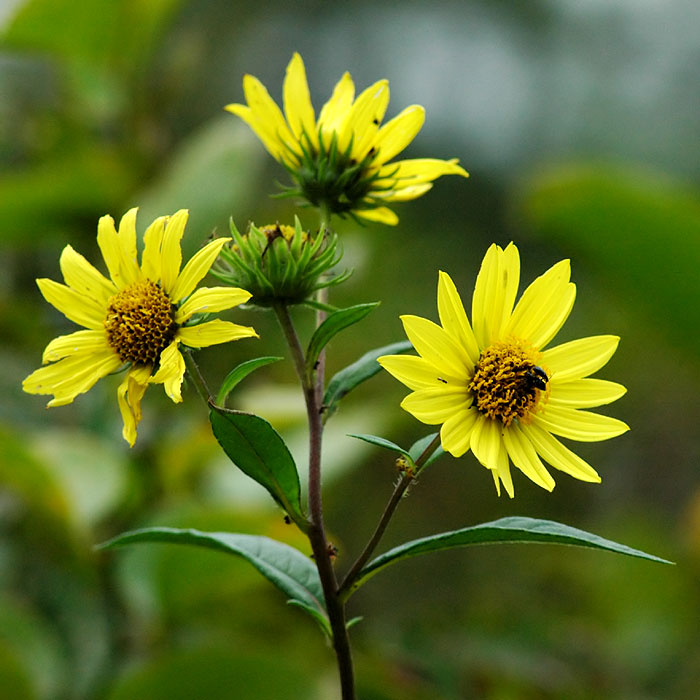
280	264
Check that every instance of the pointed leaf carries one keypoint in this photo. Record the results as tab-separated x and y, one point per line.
241	372
286	567
256	448
356	373
505	530
335	323
419	446
381	442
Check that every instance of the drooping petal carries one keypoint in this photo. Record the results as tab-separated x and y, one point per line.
501	472
580	425
129	395
453	317
210	300
297	102
397	133
171	370
435	405
79	343
382	215
585	393
579	358
414	372
404	194
71	375
524	456
170	251
213	333
417	170
455	434
544	306
558	455
81	276
335	110
434	344
196	268
494	293
73	305
486	441
151	262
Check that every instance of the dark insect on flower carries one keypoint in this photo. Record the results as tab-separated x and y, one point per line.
537	378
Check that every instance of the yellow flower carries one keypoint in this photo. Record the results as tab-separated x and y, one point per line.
495	388
341	160
138	317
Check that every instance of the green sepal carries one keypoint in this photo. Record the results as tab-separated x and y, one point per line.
256	448
286	567
241	372
336	322
502	531
359	371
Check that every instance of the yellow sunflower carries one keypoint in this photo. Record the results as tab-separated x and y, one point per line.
495	388
139	317
340	161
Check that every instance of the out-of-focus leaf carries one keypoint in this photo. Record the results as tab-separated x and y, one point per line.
256	448
359	371
216	673
336	322
14	681
506	530
639	232
284	566
239	373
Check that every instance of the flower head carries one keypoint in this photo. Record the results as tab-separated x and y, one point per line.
340	160
280	263
138	317
493	385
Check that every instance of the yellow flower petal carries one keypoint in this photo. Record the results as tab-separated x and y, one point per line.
382	215
524	457
494	293
579	358
151	262
585	393
171	252
397	133
79	343
330	120
129	395
73	305
81	276
454	319
405	194
455	434
437	347
417	170
501	472
210	300
558	455
71	376
213	333
261	129
116	250
436	404
575	424
297	102
414	372
544	306
362	122
196	268
127	238
171	370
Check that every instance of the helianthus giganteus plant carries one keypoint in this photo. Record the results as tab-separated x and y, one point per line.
495	385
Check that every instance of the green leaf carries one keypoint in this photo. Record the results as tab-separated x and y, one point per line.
256	448
286	567
336	322
419	446
239	373
381	442
505	530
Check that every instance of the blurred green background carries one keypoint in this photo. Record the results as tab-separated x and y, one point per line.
578	123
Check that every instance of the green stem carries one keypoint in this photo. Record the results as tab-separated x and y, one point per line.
400	489
197	379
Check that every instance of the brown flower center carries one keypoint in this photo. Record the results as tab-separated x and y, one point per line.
140	323
508	384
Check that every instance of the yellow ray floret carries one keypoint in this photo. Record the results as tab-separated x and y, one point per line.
493	385
341	160
137	317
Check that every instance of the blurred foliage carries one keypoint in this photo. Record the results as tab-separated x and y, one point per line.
115	103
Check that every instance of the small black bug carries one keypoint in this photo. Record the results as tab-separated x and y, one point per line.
537	378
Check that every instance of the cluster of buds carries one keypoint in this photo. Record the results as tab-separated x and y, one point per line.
280	264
